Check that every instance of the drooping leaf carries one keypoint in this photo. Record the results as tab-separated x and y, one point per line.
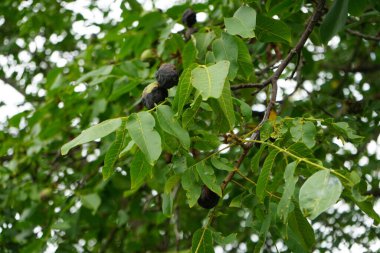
335	20
209	80
170	125
318	193
264	174
242	23
206	173
114	151
93	133
290	183
141	129
202	241
139	169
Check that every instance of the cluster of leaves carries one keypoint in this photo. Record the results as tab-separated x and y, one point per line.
137	188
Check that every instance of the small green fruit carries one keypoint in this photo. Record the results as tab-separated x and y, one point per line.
208	198
167	76
153	95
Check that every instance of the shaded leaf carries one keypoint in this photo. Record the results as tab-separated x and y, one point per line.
272	30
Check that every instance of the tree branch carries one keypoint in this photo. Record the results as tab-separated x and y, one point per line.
363	36
318	12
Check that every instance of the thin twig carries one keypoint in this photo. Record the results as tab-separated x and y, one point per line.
363	36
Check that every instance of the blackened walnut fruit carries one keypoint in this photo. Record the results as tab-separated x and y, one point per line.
167	76
153	95
189	18
208	198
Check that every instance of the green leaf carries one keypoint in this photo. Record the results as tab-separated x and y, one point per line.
244	59
290	183
206	173
140	168
202	241
264	174
171	182
318	193
141	129
263	232
170	125
218	164
226	48
192	188
189	114
266	130
102	71
91	201
304	131
242	23
272	30
183	91
114	151
224	240
255	162
167	204
209	80
225	103
343	129
189	54
301	233
93	133
335	20
299	149
202	41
